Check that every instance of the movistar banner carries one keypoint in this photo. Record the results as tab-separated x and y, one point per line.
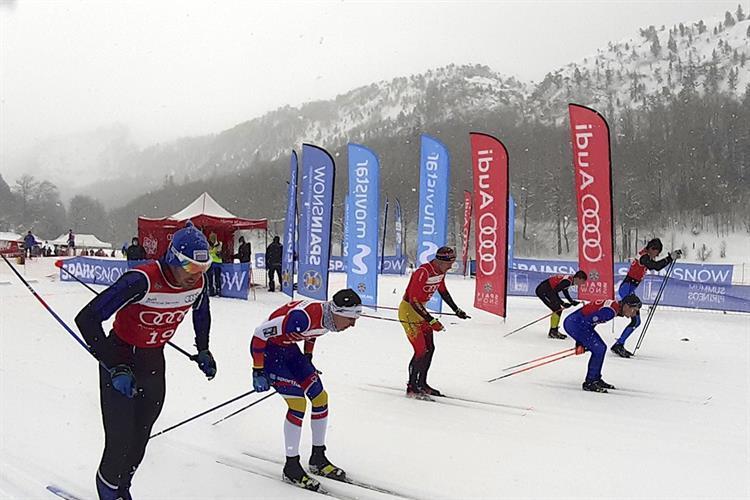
290	227
235	278
391	265
316	215
434	181
362	223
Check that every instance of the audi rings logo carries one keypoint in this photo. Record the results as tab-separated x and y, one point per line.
156	318
591	237
487	243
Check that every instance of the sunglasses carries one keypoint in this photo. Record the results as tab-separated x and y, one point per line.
191	266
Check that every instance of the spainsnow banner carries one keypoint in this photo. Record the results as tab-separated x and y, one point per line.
290	228
432	224
489	160
362	223
466	231
235	278
593	183
316	216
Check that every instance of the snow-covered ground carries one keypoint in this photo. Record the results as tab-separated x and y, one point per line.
677	427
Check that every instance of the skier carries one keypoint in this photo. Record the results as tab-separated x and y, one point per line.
274	252
419	324
149	302
548	292
278	362
580	325
637	271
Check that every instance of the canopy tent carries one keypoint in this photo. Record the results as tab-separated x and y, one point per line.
88	241
10	243
206	214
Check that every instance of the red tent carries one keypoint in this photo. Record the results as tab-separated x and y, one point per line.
206	214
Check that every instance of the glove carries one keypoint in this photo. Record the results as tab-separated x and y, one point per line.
206	363
574	303
676	254
436	325
260	382
565	305
461	314
580	349
123	380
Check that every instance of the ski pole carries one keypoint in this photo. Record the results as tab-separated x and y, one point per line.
655	304
539	359
50	310
202	413
244	408
396	309
192	357
532	367
391	319
529	324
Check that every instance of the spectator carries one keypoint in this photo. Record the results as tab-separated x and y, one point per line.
100	253
71	241
244	252
214	272
135	251
113	254
28	244
124	249
273	262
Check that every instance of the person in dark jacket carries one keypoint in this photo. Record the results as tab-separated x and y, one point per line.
136	251
244	252
273	262
29	242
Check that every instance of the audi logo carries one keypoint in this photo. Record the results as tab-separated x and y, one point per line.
591	237
156	318
487	248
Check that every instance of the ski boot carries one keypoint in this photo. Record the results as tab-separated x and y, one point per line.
602	383
554	333
295	474
416	393
430	391
107	492
594	386
320	465
620	350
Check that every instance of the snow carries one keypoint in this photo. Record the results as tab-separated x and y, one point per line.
677	427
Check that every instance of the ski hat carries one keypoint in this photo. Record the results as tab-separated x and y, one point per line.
655	244
446	254
631	300
581	275
189	250
346	303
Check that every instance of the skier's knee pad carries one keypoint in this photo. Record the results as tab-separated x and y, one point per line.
320	400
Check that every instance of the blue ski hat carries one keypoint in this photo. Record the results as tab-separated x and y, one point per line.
188	249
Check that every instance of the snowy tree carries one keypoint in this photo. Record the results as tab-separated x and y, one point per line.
740	14
728	19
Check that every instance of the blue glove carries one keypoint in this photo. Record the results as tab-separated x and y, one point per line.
206	363
123	380
260	382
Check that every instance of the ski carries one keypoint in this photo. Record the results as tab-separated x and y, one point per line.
347	479
247	468
445	398
62	493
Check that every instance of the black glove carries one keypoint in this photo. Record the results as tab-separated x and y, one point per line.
461	314
676	254
565	305
206	363
574	303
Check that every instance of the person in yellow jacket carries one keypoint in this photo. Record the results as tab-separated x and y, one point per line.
214	272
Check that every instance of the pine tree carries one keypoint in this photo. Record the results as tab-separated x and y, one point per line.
740	13
672	44
728	19
655	46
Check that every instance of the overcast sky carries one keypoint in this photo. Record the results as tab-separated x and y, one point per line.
173	68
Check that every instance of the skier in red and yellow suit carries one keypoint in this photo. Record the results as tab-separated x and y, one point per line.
419	324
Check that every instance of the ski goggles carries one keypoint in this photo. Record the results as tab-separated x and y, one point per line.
191	266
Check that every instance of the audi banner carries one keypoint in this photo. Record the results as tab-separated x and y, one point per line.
362	224
316	210
466	231
593	183
290	227
434	180
489	160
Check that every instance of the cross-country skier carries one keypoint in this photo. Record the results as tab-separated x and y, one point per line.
580	325
148	302
419	324
278	362
645	262
548	292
